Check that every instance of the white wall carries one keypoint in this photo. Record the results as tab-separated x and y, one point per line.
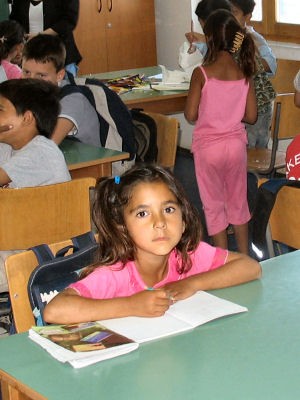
173	20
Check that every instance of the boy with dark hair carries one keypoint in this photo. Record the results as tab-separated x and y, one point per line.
203	10
27	157
44	58
259	133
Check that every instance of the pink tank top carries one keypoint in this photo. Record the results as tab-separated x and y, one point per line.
222	107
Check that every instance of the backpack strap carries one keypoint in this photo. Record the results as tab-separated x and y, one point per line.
87	93
82	241
119	114
42	253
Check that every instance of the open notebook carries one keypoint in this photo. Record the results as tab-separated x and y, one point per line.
92	342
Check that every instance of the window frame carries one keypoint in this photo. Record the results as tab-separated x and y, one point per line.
273	30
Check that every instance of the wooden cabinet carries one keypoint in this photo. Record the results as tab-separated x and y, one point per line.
116	34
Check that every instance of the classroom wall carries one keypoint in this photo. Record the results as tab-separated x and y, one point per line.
173	19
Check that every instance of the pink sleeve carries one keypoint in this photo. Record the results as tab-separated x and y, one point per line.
207	257
219	258
12	71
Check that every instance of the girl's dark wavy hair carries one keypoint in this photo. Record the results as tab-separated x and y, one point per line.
115	244
11	34
220	30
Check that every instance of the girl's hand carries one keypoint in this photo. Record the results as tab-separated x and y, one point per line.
150	303
181	289
194	37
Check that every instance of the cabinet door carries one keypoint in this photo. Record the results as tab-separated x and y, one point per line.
131	38
116	34
90	36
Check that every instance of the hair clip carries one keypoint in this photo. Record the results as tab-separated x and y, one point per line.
237	42
117	179
2	39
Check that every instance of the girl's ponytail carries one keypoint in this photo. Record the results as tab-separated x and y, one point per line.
246	56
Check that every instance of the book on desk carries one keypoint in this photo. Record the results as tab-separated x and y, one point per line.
92	342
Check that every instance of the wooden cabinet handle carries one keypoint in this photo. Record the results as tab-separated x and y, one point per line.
110	5
99	6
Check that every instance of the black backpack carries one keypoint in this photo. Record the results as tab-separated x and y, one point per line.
145	135
55	272
114	117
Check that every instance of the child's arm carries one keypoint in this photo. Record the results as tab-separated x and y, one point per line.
250	115
238	269
194	96
4	178
63	127
193	37
69	307
297	89
297	99
268	59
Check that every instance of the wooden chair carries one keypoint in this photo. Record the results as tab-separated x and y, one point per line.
285	74
284	222
285	125
18	270
44	214
167	137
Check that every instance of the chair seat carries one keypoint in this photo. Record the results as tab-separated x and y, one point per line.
259	160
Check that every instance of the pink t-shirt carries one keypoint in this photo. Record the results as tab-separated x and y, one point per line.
12	71
113	281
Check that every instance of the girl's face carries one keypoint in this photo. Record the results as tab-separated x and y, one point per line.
153	219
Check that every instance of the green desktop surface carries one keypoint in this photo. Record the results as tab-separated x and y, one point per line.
250	356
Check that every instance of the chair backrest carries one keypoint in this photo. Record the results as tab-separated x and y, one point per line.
167	138
284	220
285	125
285	74
44	214
286	121
18	270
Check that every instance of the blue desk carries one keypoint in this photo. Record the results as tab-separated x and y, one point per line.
251	356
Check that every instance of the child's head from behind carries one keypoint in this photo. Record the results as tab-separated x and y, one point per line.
147	211
44	58
224	33
242	10
11	39
206	7
29	104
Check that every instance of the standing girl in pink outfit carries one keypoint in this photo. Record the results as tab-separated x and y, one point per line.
11	44
221	96
150	253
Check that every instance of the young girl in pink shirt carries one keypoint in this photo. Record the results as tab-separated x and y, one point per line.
220	98
150	253
11	44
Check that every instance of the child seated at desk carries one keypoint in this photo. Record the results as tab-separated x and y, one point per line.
27	157
44	58
150	253
28	114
